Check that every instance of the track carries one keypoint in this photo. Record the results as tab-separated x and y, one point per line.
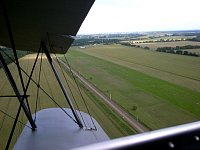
128	118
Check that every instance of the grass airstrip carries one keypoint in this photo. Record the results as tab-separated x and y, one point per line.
158	89
110	122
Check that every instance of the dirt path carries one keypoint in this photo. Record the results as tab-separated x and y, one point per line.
128	118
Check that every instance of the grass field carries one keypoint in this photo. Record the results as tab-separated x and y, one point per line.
157	84
168	67
159	103
112	124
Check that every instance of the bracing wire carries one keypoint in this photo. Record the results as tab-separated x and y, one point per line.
42	89
80	92
14	125
6	110
26	98
76	116
38	85
50	90
16	62
7	71
4	117
5	113
8	26
60	106
70	89
38	88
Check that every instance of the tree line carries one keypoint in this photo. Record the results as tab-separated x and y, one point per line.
136	46
196	39
179	50
92	41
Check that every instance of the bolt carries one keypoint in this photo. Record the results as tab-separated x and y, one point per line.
196	138
171	145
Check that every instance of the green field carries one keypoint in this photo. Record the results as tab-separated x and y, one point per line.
181	70
159	103
110	122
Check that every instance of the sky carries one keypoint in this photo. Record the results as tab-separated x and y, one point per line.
111	16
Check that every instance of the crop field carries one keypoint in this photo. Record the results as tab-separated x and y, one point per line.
157	102
155	45
104	116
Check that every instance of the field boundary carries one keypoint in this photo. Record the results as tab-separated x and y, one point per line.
128	118
148	67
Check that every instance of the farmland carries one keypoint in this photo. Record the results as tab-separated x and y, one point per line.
155	45
138	81
157	89
168	67
106	117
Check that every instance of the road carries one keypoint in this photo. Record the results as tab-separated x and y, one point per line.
128	118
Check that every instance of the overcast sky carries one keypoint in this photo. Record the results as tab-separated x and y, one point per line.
107	16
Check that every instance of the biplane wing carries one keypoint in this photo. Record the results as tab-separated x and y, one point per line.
32	22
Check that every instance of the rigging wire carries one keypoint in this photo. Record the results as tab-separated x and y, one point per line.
31	74
11	38
5	113
38	85
4	117
38	88
95	128
26	88
48	84
78	121
21	100
58	104
20	74
42	89
13	127
70	89
6	108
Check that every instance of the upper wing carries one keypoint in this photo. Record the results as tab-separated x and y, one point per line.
33	21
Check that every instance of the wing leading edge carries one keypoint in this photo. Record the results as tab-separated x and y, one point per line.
33	22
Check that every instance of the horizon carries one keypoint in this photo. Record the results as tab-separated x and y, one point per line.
140	32
141	16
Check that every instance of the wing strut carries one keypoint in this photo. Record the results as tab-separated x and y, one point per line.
78	121
20	98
